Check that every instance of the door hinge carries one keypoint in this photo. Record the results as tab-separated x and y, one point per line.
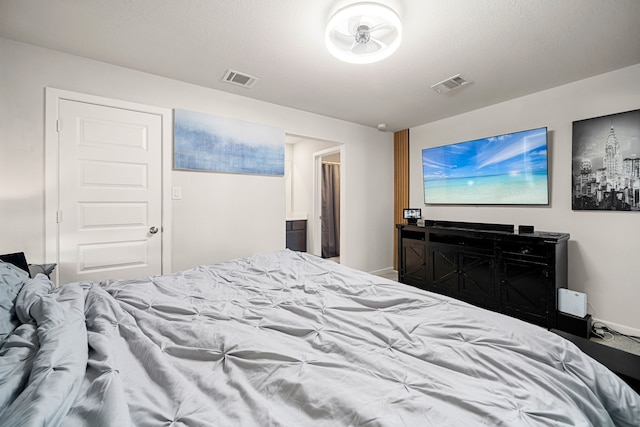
58	217
58	126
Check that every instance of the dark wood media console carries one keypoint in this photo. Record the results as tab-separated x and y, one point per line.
488	265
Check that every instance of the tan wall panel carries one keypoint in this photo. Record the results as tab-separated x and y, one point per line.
401	183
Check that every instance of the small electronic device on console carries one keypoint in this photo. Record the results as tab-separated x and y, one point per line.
525	229
572	302
412	215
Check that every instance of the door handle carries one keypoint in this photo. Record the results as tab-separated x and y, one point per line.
153	230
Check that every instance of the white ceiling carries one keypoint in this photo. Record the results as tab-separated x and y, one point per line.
507	48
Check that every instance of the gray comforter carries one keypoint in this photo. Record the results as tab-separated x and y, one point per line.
288	339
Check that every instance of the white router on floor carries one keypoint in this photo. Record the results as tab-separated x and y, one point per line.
572	302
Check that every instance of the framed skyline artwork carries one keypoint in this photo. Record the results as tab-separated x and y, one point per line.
606	163
203	142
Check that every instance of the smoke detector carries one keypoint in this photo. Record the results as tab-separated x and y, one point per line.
240	79
450	84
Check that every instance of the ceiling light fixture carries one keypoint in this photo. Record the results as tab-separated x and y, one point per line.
363	33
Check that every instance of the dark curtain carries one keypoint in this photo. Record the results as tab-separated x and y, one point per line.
330	210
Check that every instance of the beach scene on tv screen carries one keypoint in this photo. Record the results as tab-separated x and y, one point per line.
508	169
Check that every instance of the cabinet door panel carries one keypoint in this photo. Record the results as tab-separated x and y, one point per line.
477	283
525	289
443	269
414	262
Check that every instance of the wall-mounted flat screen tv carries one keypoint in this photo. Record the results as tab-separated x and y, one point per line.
510	169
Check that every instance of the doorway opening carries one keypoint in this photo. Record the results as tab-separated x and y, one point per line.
304	160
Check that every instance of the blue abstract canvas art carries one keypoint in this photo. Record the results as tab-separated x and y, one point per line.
217	144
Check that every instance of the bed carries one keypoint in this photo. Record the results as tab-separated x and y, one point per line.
284	339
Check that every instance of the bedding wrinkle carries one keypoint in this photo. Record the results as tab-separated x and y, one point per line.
17	354
59	318
161	398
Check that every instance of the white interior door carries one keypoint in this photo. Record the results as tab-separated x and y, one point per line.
110	192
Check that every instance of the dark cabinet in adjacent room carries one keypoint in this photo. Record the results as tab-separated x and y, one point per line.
487	265
296	235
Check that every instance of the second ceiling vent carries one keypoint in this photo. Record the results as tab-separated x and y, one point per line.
240	79
450	84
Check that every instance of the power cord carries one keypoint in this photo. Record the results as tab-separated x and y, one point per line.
601	331
606	333
592	308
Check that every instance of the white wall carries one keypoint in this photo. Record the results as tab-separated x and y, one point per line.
603	250
220	216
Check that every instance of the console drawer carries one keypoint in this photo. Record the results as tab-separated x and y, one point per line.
461	241
524	250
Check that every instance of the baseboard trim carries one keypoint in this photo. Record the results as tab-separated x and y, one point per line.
384	271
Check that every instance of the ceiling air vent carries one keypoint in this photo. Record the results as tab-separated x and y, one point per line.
449	84
240	79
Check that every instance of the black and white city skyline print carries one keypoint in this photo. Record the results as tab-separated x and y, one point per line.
606	163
